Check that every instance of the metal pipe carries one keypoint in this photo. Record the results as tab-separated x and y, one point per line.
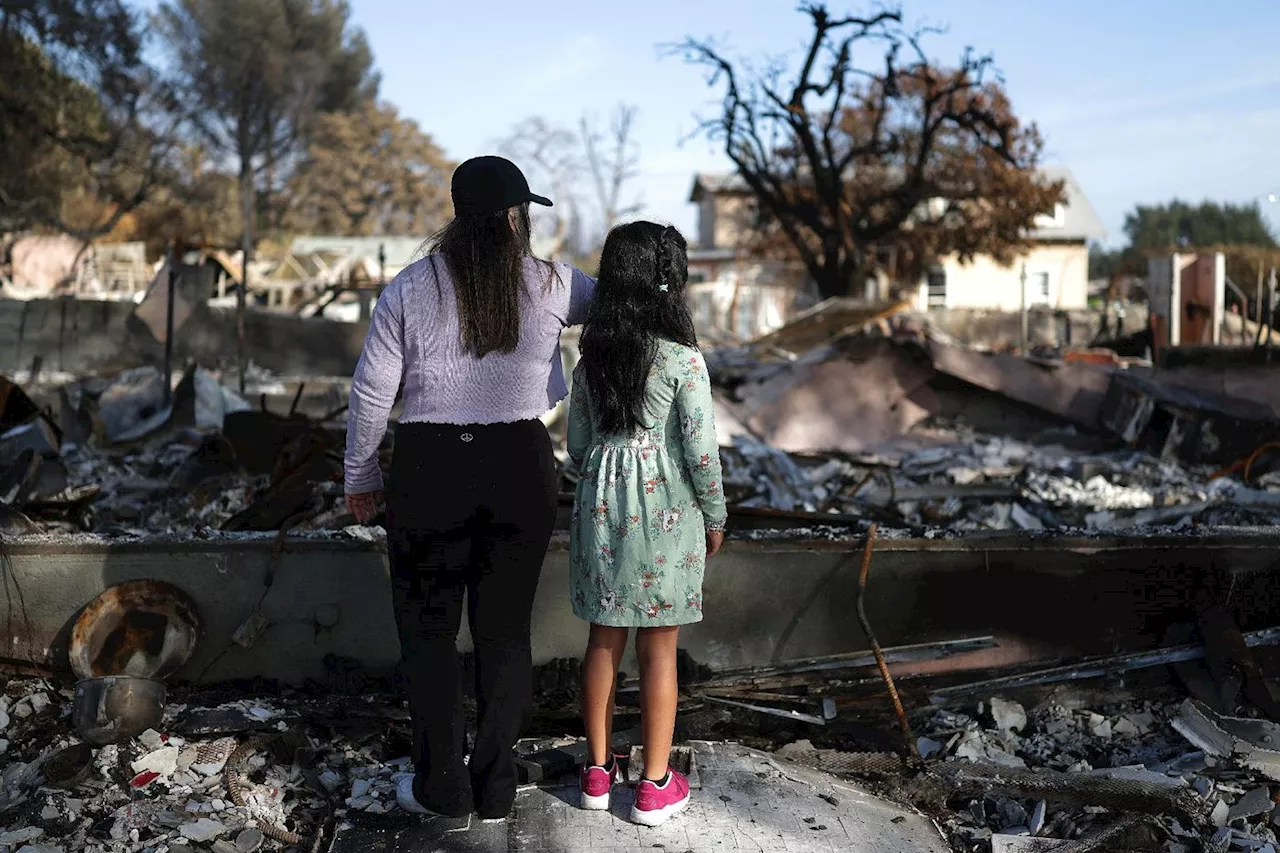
883	666
1023	279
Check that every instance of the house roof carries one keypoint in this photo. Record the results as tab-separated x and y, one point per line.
400	251
716	182
1080	220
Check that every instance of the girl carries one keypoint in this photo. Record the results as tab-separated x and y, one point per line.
649	507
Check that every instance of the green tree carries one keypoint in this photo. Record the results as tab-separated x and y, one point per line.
370	171
1168	227
80	127
257	74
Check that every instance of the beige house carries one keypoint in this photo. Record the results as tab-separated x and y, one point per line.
742	296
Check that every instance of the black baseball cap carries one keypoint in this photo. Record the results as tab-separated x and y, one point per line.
490	184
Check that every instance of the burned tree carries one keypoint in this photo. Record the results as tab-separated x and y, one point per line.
552	154
613	161
860	167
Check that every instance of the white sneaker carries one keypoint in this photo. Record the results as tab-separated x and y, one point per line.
407	800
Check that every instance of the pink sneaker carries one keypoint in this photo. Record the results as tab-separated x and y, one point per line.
594	785
656	805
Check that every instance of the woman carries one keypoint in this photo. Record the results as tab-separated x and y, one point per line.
472	331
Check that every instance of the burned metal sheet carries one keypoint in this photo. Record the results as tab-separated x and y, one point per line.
143	628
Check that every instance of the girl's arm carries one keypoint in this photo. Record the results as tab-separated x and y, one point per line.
698	432
580	430
373	393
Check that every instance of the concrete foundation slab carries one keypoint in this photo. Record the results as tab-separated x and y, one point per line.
767	601
749	801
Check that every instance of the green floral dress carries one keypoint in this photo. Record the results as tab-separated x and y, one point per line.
637	542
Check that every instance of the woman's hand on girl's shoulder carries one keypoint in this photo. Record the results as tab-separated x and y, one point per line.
715	538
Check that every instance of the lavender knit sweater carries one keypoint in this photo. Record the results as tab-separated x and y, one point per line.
414	338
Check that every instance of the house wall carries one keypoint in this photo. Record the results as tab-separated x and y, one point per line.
731	219
983	283
707	221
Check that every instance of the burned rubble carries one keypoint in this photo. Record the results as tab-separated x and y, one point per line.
891	424
883	429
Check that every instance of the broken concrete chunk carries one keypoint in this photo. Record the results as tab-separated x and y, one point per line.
249	841
1037	817
1219	814
151	739
1008	716
20	836
1024	519
202	830
1252	804
927	747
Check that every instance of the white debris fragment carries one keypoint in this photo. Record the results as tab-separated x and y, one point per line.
163	762
1008	716
152	739
39	701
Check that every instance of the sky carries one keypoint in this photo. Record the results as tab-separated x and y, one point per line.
1143	100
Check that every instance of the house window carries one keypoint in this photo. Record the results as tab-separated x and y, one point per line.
697	276
1039	288
937	288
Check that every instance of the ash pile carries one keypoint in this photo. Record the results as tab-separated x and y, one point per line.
1180	758
120	761
840	419
117	456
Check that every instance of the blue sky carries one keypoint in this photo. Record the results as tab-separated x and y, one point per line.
1142	99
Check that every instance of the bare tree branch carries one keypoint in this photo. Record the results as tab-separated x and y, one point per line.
844	155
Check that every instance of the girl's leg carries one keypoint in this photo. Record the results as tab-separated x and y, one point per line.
656	649
599	680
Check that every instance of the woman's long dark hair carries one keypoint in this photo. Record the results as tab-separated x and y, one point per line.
639	300
486	256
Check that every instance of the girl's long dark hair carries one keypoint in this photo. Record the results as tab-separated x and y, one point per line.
629	314
486	256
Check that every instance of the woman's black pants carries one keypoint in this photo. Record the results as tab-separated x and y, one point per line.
469	513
